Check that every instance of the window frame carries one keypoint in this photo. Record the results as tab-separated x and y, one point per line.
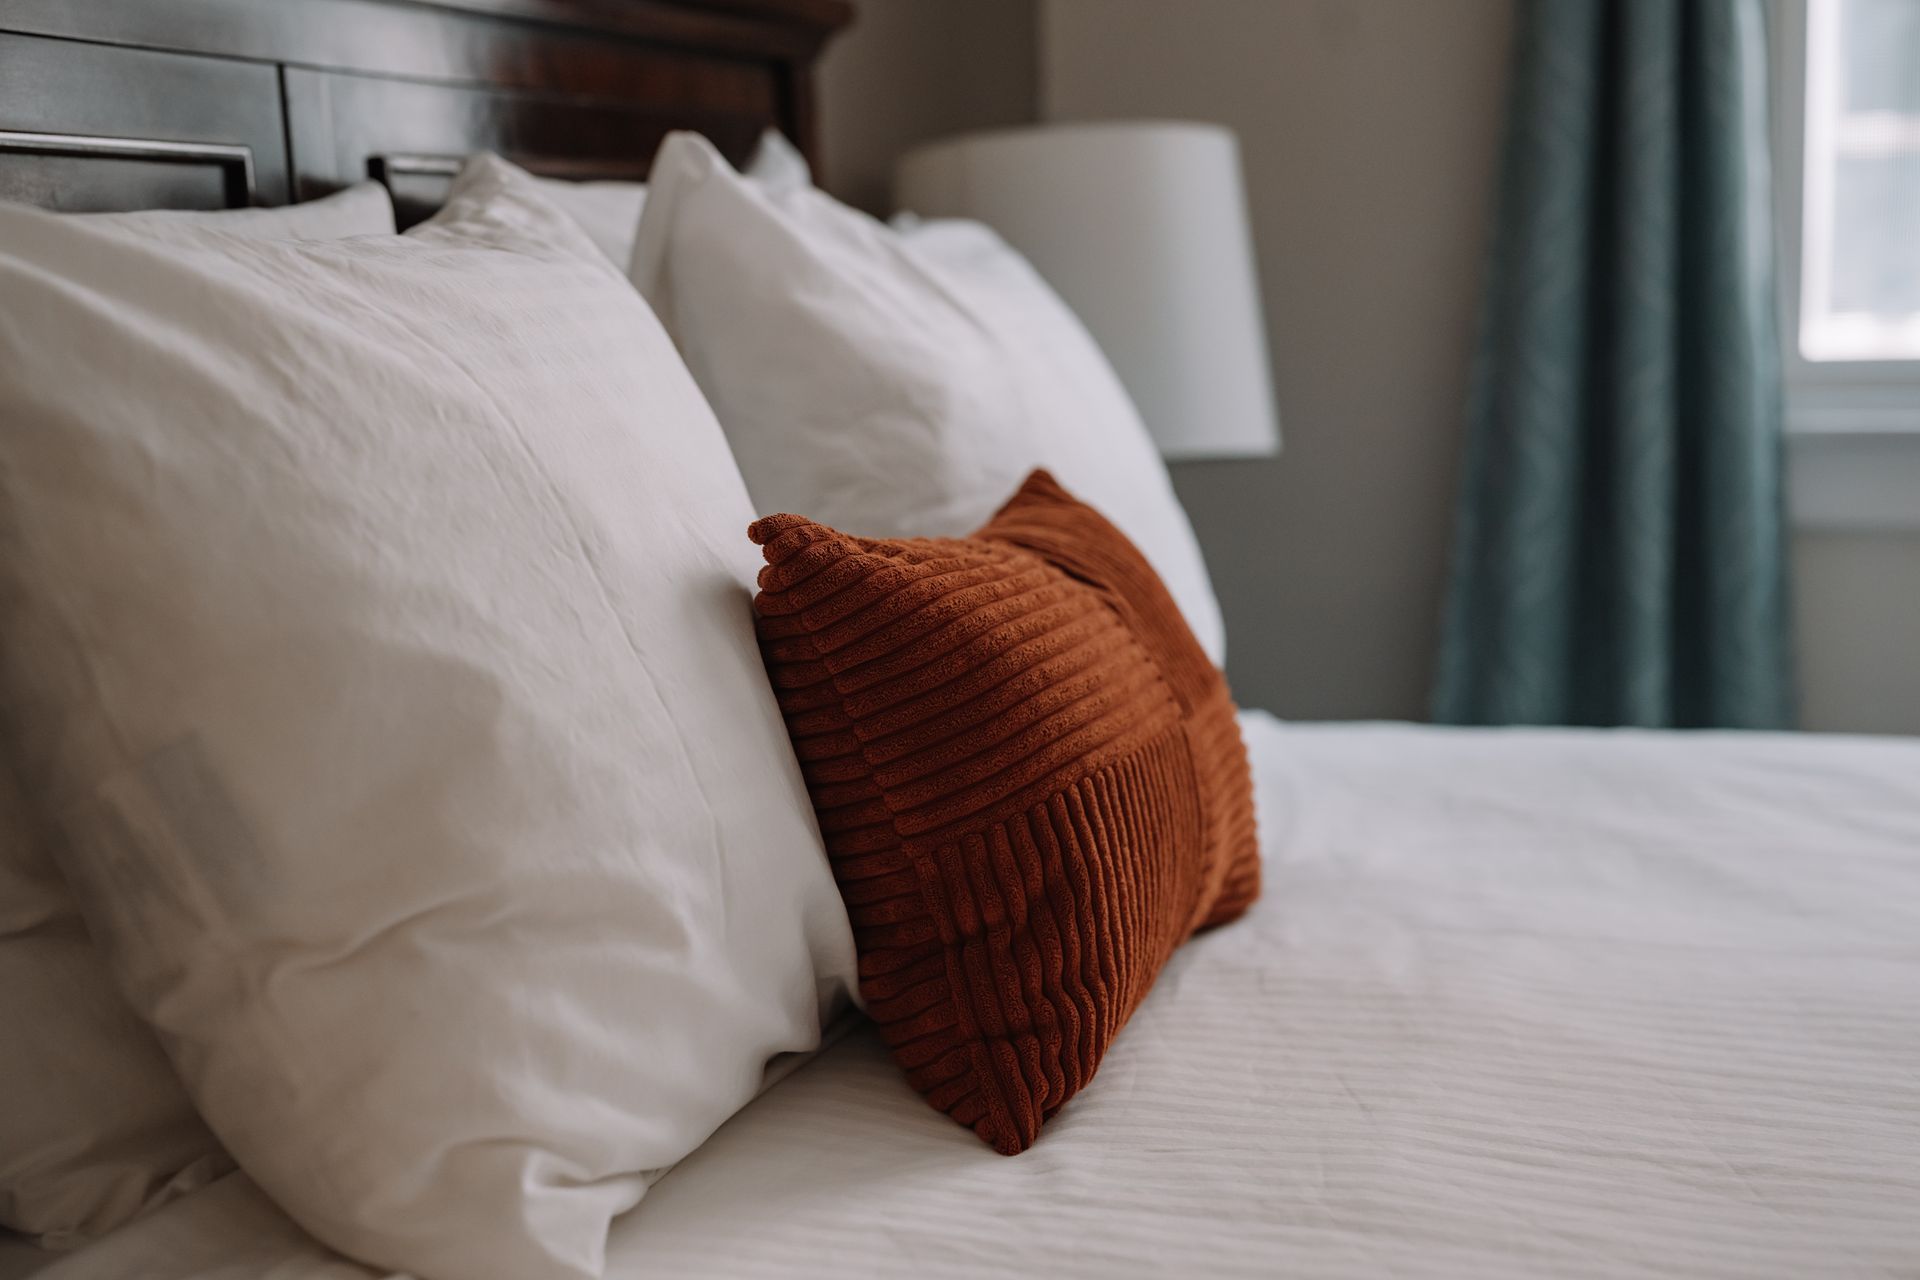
1853	426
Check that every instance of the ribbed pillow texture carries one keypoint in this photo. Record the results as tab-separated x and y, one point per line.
1030	780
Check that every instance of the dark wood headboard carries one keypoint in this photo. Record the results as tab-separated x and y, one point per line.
206	104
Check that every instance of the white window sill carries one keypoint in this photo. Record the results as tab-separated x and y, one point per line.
1856	468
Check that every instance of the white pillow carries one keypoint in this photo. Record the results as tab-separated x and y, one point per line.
778	165
609	212
363	209
96	1128
379	627
894	384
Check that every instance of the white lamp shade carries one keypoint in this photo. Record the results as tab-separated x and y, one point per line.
1142	228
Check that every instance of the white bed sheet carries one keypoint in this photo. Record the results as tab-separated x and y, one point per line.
1515	1003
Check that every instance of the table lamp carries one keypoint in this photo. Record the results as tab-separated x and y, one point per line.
1142	229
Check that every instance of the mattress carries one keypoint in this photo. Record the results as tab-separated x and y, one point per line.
1515	1003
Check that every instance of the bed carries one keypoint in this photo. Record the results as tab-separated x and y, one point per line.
1512	1003
1515	1003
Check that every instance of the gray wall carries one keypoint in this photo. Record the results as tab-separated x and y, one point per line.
909	70
1857	612
1368	132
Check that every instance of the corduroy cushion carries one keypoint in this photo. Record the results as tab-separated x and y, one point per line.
1030	780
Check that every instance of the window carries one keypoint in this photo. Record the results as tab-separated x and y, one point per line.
1860	241
1847	165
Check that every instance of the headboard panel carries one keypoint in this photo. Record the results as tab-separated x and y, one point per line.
125	104
99	127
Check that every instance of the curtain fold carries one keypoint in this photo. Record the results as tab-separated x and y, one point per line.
1619	548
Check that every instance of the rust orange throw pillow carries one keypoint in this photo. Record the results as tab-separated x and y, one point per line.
1030	780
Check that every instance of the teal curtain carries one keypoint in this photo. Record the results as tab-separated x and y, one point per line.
1619	552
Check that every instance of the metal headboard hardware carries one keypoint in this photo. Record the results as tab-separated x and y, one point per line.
395	165
235	161
400	164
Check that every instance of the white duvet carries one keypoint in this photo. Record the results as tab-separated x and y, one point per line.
1515	1003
